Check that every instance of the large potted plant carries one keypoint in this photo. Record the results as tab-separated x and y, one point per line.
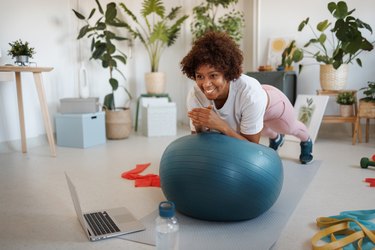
21	51
205	18
104	49
158	31
338	45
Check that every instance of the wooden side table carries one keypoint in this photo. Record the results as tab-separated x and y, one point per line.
341	119
37	73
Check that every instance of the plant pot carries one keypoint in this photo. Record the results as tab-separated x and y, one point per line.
118	123
22	60
155	82
346	110
333	79
366	109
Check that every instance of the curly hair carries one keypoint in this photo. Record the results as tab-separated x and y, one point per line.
218	50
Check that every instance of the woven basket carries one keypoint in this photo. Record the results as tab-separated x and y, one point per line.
366	109
333	79
118	123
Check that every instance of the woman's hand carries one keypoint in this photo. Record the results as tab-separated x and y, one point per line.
205	118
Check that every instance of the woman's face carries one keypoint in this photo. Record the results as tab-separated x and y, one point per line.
212	83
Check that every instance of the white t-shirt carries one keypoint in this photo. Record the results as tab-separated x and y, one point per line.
244	109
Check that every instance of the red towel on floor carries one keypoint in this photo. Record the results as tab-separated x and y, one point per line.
148	180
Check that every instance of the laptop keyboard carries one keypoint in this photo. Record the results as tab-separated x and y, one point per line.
101	223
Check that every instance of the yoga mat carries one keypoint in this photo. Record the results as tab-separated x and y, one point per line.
258	234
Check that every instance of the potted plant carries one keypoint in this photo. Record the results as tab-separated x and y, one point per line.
158	31
21	51
337	46
104	49
346	99
291	54
205	19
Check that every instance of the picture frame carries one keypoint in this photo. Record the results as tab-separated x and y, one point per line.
309	109
276	47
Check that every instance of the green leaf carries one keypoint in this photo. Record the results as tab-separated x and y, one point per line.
341	10
99	7
359	62
153	6
111	12
79	15
303	24
322	26
92	13
114	83
109	101
83	31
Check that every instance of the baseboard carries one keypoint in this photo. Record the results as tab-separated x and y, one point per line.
15	145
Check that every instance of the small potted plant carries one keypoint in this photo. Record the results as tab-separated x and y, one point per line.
104	49
21	51
159	30
337	44
346	99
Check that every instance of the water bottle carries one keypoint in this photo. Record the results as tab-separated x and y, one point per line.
84	90
167	227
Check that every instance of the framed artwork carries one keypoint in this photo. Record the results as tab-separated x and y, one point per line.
309	109
276	48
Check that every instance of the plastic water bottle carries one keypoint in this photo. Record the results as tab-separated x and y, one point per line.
167	227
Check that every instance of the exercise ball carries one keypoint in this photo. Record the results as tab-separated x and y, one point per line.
211	176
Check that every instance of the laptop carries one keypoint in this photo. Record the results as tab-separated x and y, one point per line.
106	223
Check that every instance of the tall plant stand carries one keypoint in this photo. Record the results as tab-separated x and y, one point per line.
341	119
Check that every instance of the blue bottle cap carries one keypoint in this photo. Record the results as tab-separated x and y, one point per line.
166	209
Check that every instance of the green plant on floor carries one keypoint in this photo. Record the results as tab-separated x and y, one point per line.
20	48
345	98
369	92
341	43
103	44
205	18
158	30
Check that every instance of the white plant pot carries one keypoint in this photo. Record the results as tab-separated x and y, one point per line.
155	82
333	79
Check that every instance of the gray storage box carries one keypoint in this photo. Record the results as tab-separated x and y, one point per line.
79	105
80	130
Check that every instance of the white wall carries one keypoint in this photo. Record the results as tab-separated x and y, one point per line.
51	27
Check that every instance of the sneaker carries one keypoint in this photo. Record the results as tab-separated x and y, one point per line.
306	151
277	143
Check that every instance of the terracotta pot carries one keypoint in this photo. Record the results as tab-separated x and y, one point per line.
155	82
333	79
118	123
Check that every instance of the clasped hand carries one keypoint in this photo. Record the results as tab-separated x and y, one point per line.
205	118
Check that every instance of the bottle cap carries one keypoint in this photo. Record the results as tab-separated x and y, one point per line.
166	209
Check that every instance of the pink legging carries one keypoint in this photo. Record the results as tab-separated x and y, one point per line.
280	118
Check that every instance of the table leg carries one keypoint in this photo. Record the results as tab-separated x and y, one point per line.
20	111
136	115
44	109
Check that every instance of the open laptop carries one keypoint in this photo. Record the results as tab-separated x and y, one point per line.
107	223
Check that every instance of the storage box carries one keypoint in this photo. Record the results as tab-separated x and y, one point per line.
159	119
79	105
80	130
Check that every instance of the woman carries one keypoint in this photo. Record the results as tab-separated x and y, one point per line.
227	101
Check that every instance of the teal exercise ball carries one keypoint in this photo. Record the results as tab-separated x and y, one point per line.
211	176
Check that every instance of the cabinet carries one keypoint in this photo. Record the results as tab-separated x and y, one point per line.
338	118
286	81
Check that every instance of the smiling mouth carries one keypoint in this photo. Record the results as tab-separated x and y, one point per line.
209	91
